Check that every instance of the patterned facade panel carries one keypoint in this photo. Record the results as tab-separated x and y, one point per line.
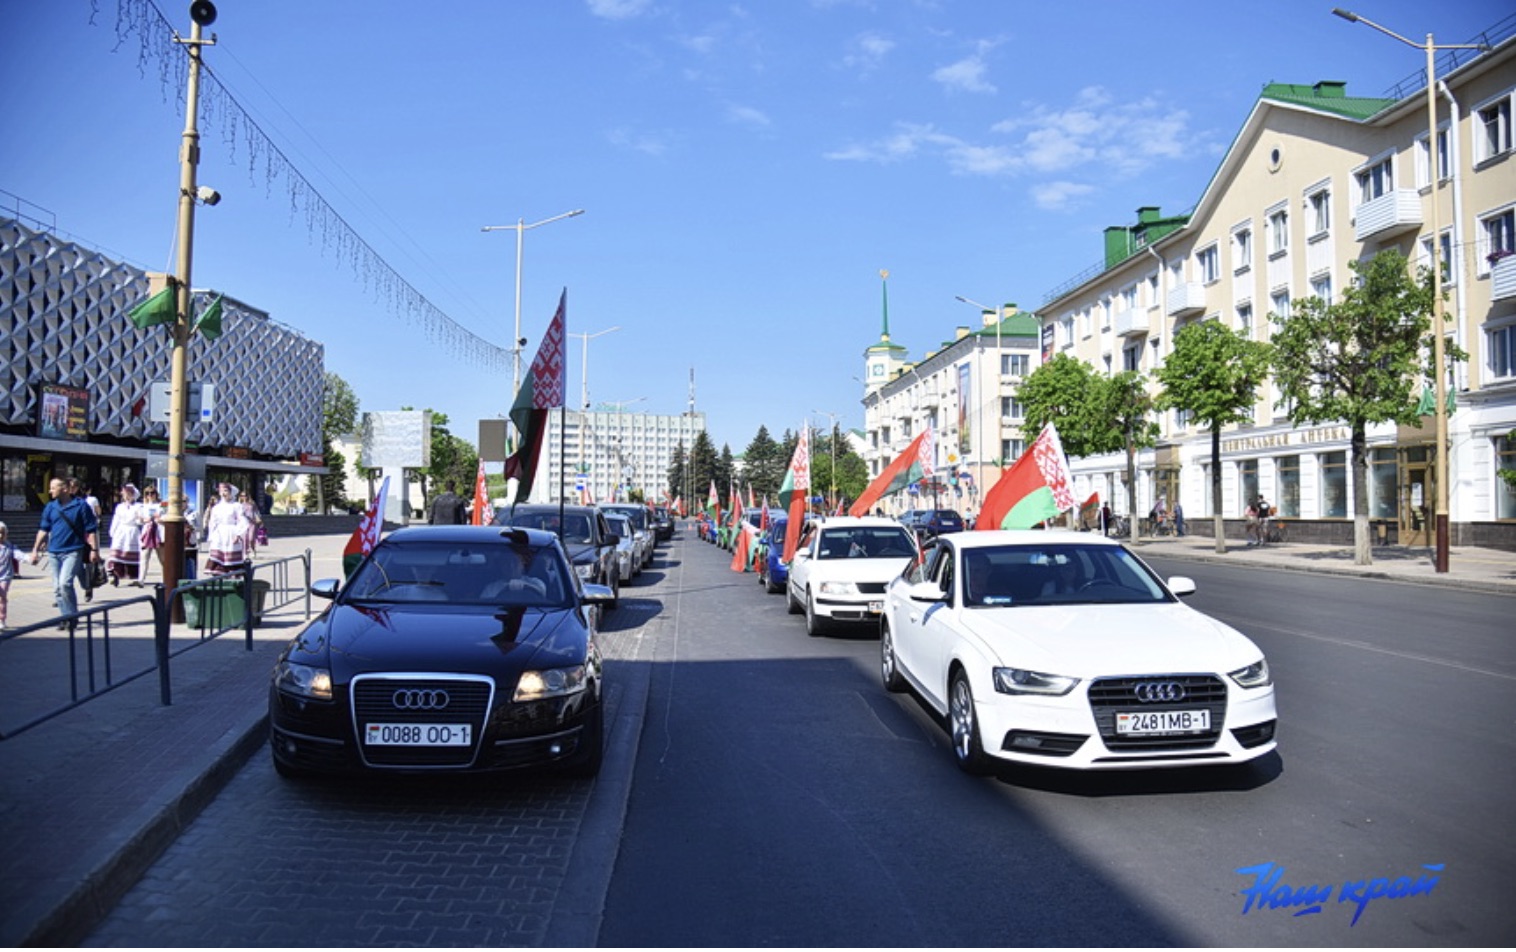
63	319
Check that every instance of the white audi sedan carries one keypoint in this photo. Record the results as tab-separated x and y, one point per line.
1064	649
842	566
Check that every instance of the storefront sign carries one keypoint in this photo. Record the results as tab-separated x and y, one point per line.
1326	434
63	412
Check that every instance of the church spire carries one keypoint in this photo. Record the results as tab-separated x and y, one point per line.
884	284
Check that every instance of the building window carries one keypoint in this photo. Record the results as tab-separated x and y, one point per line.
1011	450
1383	490
1242	249
1131	357
1181	420
1287	471
1279	305
1015	365
1334	485
1422	179
1444	256
1505	494
1492	136
1068	331
1321	212
1375	181
1245	320
1500	344
1321	286
1012	408
1497	237
1247	482
1205	260
1279	232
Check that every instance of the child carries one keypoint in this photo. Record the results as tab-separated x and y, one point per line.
8	561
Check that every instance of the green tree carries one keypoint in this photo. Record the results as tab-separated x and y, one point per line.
1064	392
764	469
454	460
1508	476
1359	360
339	417
1123	420
678	475
703	471
1213	375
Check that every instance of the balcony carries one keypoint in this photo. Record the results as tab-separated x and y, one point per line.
1185	300
1130	323
1503	279
1396	211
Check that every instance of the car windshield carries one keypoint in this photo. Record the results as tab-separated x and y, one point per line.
463	574
622	526
865	542
1056	574
636	515
575	525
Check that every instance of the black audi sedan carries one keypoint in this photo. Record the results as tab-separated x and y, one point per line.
450	648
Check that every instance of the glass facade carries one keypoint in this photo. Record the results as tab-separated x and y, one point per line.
1505	493
1334	485
1384	489
1287	471
1247	484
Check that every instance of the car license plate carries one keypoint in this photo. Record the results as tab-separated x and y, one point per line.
876	608
417	735
1164	722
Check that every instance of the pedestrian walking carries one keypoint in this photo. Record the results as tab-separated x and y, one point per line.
125	562
8	562
1178	519
69	531
256	534
449	509
226	533
150	539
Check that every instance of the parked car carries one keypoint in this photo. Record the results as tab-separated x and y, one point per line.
773	573
932	522
642	524
840	574
451	648
586	537
1064	649
628	559
663	523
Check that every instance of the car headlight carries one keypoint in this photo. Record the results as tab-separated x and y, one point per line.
303	680
552	682
1255	675
838	588
1021	681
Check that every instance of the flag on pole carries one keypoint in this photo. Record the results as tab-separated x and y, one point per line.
1089	511
713	502
1037	488
541	391
366	536
484	513
677	506
915	463
158	309
795	490
209	321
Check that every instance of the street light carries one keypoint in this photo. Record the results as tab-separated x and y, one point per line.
995	403
584	369
832	439
1440	412
518	341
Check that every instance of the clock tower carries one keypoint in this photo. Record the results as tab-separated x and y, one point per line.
882	361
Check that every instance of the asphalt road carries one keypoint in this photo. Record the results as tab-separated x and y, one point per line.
782	798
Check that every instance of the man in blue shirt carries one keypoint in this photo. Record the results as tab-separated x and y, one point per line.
68	529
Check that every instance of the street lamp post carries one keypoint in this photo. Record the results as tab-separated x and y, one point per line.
517	342
584	387
1439	344
832	439
995	400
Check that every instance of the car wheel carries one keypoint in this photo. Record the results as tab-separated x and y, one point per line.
889	665
813	622
769	585
964	725
790	603
586	763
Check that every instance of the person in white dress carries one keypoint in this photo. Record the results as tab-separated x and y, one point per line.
125	562
226	531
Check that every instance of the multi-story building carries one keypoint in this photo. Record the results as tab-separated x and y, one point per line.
610	453
965	392
83	389
1314	180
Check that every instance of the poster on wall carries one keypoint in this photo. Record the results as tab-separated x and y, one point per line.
965	427
63	412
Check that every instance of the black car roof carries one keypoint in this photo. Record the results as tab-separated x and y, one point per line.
479	535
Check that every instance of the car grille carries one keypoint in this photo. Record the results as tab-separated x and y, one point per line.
1108	696
469	701
870	588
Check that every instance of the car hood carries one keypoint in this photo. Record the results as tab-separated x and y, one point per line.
1093	640
350	639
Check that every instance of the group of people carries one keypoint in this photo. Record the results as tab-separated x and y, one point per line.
70	528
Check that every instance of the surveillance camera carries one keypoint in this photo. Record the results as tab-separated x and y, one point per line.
207	195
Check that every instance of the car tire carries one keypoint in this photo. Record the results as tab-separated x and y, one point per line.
889	665
287	771
587	762
768	584
963	726
813	621
791	605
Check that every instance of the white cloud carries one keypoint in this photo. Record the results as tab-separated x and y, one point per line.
618	9
1056	196
747	116
645	142
966	75
867	51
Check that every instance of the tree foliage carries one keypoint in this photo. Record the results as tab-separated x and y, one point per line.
339	418
1061	392
763	464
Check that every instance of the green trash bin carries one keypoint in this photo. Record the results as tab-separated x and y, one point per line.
221	604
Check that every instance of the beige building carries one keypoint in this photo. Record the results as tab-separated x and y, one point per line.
1314	180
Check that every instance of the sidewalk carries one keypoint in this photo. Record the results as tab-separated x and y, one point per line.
89	799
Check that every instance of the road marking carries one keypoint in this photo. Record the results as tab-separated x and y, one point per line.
1406	655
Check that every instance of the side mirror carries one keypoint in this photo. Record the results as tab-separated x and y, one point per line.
325	588
924	592
1182	585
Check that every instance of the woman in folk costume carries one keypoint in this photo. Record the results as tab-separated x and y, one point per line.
226	532
152	531
126	538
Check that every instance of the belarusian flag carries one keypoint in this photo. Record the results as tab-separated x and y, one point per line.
540	392
912	465
677	506
713	502
366	536
795	490
1037	488
484	513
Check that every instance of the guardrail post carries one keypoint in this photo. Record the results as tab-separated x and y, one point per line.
162	618
247	603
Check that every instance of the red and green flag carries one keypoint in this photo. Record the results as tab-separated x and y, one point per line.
1034	490
484	513
366	536
912	465
541	391
794	491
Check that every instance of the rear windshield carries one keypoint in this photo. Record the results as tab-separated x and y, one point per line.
865	542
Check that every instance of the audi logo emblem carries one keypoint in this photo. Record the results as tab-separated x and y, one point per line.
1159	692
412	699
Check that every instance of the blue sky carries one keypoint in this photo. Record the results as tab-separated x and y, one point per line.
746	169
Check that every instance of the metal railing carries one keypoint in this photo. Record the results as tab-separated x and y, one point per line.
99	655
